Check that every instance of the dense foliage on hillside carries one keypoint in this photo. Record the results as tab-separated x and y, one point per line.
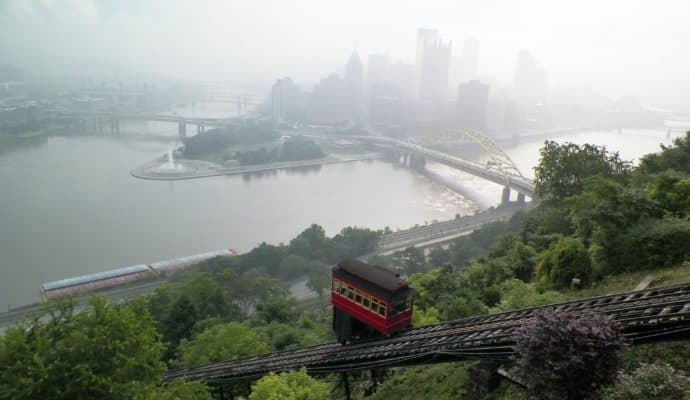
598	219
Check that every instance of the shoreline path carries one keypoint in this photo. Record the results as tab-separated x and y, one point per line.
190	169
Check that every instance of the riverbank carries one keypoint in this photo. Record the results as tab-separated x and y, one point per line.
190	169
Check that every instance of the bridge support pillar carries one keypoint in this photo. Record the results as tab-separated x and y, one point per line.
505	196
182	129
114	126
521	198
405	156
417	162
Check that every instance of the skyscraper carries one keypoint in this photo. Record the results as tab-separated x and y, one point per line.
433	84
469	60
287	102
424	37
473	98
354	86
530	83
378	69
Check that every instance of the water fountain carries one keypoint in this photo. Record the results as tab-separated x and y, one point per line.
169	166
171	160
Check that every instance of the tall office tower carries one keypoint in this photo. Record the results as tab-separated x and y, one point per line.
473	98
402	76
530	83
354	87
327	103
424	37
433	84
278	99
469	59
378	69
288	104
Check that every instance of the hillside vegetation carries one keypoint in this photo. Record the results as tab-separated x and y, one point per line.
602	225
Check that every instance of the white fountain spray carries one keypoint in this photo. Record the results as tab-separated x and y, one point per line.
171	160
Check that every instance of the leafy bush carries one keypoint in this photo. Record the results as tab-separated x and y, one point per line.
658	243
566	356
565	260
650	382
222	342
675	157
295	385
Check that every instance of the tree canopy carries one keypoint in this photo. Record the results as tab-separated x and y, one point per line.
564	168
102	352
295	385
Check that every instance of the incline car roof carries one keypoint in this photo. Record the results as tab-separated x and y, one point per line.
379	276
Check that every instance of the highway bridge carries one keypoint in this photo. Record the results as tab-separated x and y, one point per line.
651	315
444	231
112	118
522	185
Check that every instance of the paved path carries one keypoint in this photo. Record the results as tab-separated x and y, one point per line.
190	169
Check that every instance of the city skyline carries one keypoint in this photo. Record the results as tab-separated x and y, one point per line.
615	47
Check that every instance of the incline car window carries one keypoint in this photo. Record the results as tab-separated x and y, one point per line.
361	298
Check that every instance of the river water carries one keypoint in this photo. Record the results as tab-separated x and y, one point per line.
68	206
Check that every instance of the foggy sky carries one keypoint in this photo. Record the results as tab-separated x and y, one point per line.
619	47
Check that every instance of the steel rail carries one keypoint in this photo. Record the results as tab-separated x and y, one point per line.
647	315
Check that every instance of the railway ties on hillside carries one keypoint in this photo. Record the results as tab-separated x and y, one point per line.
655	314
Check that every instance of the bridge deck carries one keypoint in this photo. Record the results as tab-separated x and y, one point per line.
516	182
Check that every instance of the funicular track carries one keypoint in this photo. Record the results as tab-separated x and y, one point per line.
655	314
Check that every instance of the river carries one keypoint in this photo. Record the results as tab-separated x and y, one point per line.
69	206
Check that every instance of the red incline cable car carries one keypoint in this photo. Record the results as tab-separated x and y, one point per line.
368	301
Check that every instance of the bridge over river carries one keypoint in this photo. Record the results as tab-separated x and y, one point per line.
418	154
103	119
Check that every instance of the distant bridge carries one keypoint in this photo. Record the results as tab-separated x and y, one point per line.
522	185
103	118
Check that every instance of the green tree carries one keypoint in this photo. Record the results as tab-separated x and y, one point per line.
292	266
179	323
675	157
179	390
566	260
222	342
319	279
295	385
462	250
102	352
654	244
438	256
516	294
350	243
411	259
672	192
310	244
421	317
563	169
522	260
280	336
650	382
277	309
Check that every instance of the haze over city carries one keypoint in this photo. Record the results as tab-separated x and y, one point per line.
312	199
617	48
